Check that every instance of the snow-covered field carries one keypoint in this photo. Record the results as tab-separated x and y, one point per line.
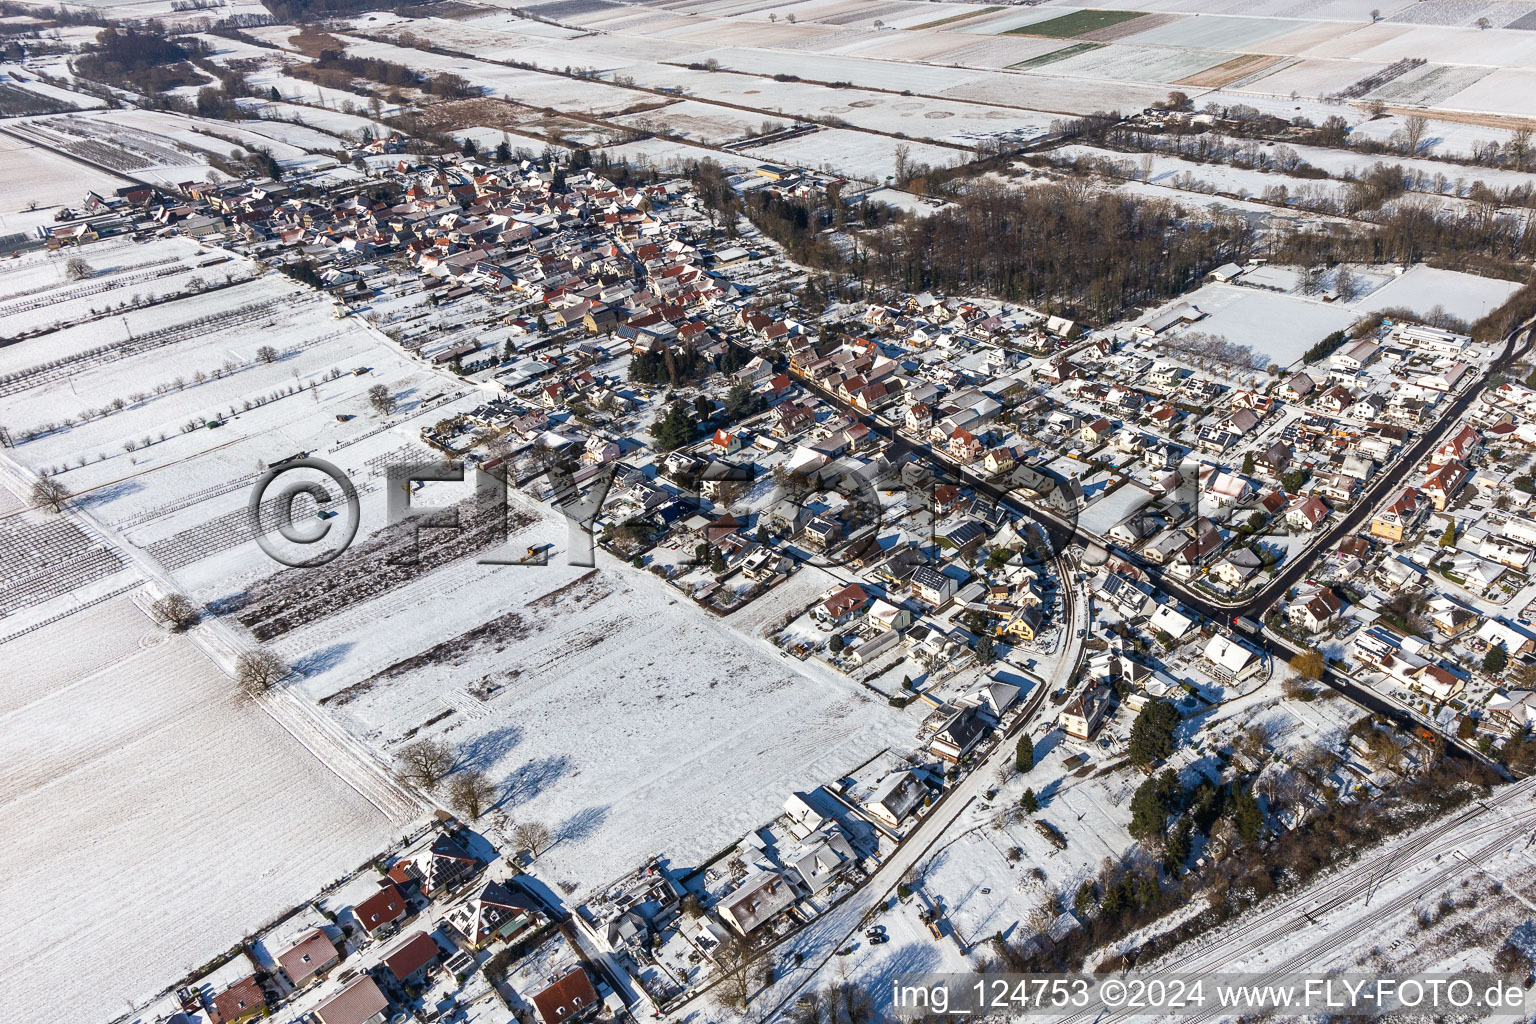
1248	316
35	176
152	817
1423	289
871	157
625	719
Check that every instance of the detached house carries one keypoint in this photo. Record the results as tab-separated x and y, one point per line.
378	912
1306	514
1315	612
570	998
899	795
1082	716
496	913
1401	515
843	606
762	896
958	736
309	959
932	587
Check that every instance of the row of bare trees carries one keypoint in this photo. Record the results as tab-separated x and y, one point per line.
432	764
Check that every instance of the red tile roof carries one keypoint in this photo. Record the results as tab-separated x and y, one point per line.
565	998
411	955
380	909
309	955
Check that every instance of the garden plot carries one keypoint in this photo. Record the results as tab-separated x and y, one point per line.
1192	176
1386	42
855	154
1278	328
997	52
49	94
332	122
1447	137
1339	162
1312	78
130	768
601	702
918	116
1464	13
666	155
1424	289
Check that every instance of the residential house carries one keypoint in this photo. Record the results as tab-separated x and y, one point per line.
1230	660
1306	513
569	998
361	1002
409	960
379	912
309	958
825	857
964	447
240	1002
1400	516
958	736
932	587
761	896
897	796
842	606
497	912
1023	624
1443	483
1081	717
1314	612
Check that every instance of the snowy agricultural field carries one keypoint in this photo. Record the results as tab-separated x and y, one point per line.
530	87
1424	289
917	116
1509	91
142	795
820	67
1279	328
600	701
1117	62
1058	93
855	154
34	175
1191	175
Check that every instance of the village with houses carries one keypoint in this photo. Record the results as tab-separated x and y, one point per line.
676	623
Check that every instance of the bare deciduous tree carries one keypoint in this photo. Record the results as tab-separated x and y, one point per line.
532	835
471	794
382	401
1414	127
77	269
426	762
267	354
740	966
178	612
50	494
259	671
